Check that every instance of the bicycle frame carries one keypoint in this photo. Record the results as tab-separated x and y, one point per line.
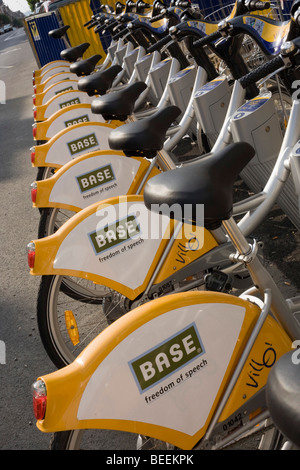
259	205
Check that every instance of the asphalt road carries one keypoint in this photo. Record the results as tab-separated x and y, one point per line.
25	358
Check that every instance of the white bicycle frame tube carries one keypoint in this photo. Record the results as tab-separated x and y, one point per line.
281	171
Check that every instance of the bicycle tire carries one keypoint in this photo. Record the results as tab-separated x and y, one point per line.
52	219
44	173
58	295
88	439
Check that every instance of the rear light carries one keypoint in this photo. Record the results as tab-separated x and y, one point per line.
32	155
31	254
33	187
39	399
34	127
34	90
34	112
33	99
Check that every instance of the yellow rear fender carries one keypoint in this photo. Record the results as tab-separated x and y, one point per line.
72	142
51	65
91	178
57	77
160	370
64	118
61	101
105	243
38	79
53	90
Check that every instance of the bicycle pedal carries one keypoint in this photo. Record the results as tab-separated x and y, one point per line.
217	281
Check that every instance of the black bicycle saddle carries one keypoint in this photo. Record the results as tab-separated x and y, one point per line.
99	82
145	136
208	181
58	32
85	67
283	395
74	53
118	104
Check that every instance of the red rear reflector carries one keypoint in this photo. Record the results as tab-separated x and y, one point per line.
32	155
39	399
33	192
31	254
34	113
33	99
34	130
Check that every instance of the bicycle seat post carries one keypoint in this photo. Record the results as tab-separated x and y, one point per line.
237	237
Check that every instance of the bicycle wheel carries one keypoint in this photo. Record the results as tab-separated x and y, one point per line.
52	219
44	173
98	439
93	439
283	105
71	312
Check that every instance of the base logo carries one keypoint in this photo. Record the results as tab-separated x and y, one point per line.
64	89
95	178
114	234
78	120
84	143
69	103
166	358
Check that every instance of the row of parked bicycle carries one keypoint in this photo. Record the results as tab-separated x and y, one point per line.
154	302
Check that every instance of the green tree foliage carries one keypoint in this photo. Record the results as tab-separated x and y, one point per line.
32	3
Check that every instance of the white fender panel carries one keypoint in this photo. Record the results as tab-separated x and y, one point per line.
205	335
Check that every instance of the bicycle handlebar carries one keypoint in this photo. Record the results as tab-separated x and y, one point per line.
160	43
120	34
257	5
262	71
158	17
208	39
92	24
88	22
296	17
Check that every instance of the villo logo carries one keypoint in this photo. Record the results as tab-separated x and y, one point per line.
95	178
114	234
166	358
86	142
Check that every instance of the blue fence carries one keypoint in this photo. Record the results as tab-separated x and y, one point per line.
45	48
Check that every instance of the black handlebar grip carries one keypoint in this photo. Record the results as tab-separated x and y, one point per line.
184	4
92	24
157	17
208	39
257	5
88	22
120	34
160	44
262	71
100	27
